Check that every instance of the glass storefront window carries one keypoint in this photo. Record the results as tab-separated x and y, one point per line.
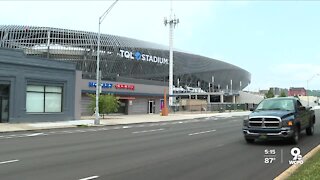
35	102
41	99
53	102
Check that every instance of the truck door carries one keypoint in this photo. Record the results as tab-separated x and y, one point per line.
302	115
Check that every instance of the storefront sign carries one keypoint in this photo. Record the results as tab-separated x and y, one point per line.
125	86
143	57
103	85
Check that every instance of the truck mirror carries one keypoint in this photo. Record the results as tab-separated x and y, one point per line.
302	108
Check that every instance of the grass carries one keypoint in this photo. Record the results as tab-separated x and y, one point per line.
309	170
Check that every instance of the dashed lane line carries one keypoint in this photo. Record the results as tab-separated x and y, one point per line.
203	132
9	161
89	178
146	131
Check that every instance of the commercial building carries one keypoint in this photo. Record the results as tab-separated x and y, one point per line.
297	91
136	71
36	89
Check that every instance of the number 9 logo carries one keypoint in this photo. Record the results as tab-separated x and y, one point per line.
295	152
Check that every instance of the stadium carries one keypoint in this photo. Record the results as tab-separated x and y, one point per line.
144	65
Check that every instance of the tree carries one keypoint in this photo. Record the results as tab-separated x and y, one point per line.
107	104
283	94
269	94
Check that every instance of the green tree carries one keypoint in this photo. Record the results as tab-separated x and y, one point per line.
283	94
269	94
107	104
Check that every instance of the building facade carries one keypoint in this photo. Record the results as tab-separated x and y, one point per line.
133	70
35	89
297	91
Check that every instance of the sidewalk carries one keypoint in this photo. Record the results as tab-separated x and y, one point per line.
113	120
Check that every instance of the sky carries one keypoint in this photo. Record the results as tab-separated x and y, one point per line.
278	42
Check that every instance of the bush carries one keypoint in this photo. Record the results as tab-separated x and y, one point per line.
107	104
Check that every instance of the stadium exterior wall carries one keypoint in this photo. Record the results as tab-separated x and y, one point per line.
136	70
125	57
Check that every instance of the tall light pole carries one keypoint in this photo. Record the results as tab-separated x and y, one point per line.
172	23
308	85
98	85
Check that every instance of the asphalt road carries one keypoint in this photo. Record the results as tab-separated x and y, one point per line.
193	149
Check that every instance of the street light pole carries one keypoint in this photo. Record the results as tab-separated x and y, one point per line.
98	85
308	86
172	22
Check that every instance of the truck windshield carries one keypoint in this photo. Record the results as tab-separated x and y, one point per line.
276	104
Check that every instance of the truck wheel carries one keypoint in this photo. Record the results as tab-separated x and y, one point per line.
249	141
310	130
295	136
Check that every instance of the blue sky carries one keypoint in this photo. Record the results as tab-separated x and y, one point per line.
278	42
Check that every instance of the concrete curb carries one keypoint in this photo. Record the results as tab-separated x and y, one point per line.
287	173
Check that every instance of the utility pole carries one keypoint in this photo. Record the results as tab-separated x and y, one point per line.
308	85
172	23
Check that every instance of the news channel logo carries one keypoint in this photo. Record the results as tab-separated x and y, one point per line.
297	158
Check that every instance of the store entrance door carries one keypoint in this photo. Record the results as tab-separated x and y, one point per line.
151	107
4	102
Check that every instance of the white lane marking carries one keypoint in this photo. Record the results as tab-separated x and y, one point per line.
67	132
88	178
80	131
53	132
153	130
180	122
35	134
202	132
126	127
10	161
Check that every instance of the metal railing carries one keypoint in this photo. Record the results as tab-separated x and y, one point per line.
208	108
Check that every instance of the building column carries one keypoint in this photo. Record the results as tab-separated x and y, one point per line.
208	99
221	98
233	99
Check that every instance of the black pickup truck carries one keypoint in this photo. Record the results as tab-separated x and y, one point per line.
279	118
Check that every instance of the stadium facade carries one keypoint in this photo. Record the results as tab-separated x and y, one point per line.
136	71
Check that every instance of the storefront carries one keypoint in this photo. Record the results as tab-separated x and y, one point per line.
34	89
134	98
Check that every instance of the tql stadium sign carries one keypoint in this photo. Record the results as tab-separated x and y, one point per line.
143	57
